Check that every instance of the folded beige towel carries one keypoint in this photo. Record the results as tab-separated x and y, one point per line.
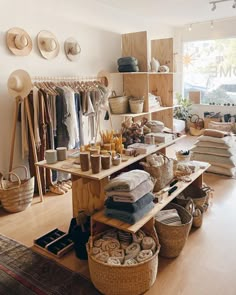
144	255
103	257
132	251
148	243
119	254
130	262
113	261
138	236
96	250
109	245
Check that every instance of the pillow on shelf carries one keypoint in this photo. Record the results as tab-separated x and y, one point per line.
210	144
221	126
214	151
220	170
215	160
215	133
229	140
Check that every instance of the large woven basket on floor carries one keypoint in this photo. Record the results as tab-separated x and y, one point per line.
197	194
123	279
173	237
16	195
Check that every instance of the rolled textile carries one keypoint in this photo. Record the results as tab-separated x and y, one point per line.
138	236
132	251
130	207
109	245
128	217
148	243
103	257
127	181
130	262
125	237
113	261
96	250
124	245
119	254
144	255
111	234
98	243
134	195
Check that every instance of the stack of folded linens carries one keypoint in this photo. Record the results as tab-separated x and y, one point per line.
128	64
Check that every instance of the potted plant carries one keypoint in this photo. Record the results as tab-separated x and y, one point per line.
182	111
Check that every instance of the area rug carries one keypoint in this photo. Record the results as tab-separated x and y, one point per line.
25	272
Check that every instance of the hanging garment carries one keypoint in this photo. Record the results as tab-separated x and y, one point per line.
24	131
36	117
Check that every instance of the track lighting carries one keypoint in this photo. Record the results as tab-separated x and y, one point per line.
214	2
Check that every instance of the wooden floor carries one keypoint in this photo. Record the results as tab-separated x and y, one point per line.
207	264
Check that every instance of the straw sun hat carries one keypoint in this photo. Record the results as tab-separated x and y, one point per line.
18	41
19	84
48	44
72	49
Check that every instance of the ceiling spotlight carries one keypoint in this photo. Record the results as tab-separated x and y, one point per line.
213	7
190	28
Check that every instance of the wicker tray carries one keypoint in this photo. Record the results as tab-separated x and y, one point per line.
123	279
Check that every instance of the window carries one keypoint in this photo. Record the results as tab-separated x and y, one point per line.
210	67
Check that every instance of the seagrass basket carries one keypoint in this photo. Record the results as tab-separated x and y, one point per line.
16	195
173	237
136	105
197	194
119	104
197	220
123	279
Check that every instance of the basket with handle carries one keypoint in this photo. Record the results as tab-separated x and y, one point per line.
197	194
119	104
16	195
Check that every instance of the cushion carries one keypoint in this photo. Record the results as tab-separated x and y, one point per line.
214	133
215	160
229	140
221	126
214	151
210	144
221	170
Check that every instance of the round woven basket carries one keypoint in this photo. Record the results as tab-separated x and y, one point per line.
123	279
197	220
198	195
136	105
173	237
119	104
17	195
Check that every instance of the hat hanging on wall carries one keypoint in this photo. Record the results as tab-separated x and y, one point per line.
19	42
72	49
48	44
19	84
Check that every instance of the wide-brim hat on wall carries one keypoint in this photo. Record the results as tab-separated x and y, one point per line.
72	49
19	84
48	44
19	42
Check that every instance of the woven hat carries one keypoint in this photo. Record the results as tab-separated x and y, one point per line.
72	49
48	44
19	42
19	84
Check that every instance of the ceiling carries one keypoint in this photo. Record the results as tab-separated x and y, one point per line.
172	12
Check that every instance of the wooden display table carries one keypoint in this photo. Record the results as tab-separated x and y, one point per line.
87	188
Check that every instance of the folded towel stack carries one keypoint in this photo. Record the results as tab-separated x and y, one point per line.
128	64
138	248
170	217
129	197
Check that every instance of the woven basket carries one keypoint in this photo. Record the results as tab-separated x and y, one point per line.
17	195
136	105
123	279
173	237
198	195
162	174
197	220
119	104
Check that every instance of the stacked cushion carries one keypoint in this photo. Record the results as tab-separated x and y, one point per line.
128	64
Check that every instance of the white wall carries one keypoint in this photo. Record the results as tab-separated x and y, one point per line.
203	31
97	28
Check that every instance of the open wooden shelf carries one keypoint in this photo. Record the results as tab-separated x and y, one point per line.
100	216
159	109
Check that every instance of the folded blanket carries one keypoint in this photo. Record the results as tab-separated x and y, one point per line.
138	236
109	245
134	195
148	243
132	251
144	255
130	207
103	257
170	217
128	217
119	254
130	262
96	250
127	181
128	68
113	261
127	60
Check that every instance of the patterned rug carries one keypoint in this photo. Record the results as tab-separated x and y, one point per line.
24	272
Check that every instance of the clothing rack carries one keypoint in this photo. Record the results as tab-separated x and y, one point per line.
66	78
